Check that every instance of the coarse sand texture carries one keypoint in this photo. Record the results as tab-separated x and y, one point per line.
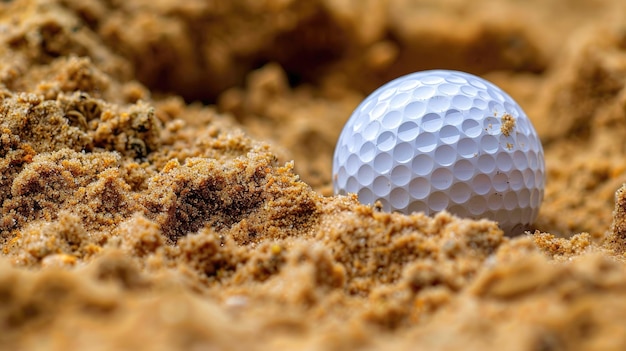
166	178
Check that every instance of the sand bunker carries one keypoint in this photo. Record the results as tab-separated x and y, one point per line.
165	178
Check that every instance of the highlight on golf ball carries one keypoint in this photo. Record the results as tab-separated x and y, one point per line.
443	140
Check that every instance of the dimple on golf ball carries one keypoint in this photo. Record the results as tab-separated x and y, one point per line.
443	140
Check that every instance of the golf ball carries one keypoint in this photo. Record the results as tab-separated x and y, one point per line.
443	140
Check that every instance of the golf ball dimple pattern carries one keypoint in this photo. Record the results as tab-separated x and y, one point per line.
439	140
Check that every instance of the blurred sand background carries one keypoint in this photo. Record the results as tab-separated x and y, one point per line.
165	178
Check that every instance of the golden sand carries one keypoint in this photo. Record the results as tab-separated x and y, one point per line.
165	178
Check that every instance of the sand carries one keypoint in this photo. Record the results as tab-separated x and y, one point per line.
165	178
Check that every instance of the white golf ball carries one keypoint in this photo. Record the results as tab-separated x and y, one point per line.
443	140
